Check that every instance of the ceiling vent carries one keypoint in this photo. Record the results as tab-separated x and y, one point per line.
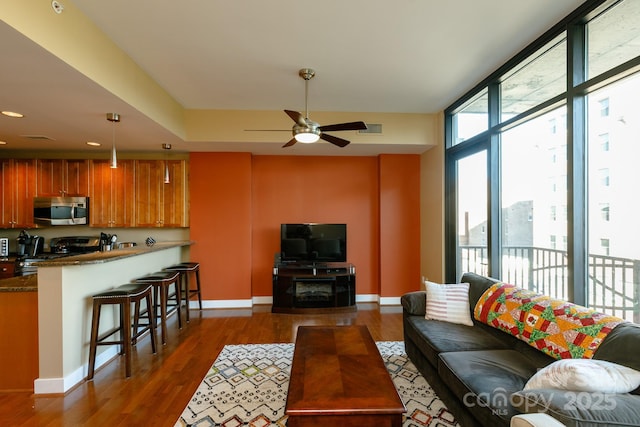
372	128
38	137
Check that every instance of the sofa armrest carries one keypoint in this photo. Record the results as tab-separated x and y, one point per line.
535	420
414	303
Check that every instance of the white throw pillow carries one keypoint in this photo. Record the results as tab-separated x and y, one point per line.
585	375
448	303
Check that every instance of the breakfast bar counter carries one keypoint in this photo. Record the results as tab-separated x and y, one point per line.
109	256
65	287
19	284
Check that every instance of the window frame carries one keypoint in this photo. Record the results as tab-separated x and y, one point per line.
577	88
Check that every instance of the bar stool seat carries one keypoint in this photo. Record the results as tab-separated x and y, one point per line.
186	270
162	298
122	296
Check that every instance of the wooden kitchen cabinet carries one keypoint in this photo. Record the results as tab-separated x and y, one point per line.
58	177
18	179
7	268
160	204
112	194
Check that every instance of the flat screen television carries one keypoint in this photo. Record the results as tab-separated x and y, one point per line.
313	242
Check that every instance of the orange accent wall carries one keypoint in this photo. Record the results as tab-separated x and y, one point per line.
399	224
238	202
291	189
220	198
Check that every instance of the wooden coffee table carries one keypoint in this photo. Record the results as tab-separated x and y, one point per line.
338	378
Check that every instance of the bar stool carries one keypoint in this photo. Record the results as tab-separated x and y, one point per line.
186	270
122	296
162	281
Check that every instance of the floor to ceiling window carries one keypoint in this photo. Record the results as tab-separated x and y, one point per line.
553	141
534	204
471	188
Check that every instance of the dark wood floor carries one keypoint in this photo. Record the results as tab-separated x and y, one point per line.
162	384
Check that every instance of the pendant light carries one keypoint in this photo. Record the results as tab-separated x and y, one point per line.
167	179
113	118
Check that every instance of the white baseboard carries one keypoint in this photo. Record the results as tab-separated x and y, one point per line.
367	298
234	303
62	385
262	300
267	300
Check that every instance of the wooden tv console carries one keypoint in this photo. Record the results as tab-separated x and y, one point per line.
314	287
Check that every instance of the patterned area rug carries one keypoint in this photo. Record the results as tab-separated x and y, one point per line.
247	386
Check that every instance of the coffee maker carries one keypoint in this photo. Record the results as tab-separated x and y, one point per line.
28	245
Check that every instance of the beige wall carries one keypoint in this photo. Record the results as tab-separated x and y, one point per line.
432	206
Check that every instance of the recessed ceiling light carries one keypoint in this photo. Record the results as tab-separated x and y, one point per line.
3	142
12	114
93	144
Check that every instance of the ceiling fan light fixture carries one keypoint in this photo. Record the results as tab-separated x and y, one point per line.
307	136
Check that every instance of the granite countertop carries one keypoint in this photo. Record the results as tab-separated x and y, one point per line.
29	283
20	284
102	257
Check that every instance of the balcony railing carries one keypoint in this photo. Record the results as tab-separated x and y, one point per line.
613	288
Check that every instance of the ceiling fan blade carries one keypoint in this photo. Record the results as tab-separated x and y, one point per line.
290	143
334	140
344	126
296	117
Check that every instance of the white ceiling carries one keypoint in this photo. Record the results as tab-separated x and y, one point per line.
405	56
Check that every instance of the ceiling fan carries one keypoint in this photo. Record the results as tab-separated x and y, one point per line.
306	130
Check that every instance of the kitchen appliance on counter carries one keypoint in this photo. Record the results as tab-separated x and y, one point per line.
29	245
4	248
61	210
74	245
60	247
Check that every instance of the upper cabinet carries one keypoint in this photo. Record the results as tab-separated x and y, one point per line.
161	202
18	187
112	194
57	177
135	194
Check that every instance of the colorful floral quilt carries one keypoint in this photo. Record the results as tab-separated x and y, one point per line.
558	328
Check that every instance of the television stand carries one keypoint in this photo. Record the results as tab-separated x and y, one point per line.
323	287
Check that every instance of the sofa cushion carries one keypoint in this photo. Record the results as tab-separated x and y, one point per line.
448	303
414	303
477	286
581	409
434	337
484	380
622	346
585	375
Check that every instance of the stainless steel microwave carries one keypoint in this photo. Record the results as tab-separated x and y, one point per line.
61	210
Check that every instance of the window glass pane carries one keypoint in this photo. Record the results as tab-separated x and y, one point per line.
613	177
533	214
472	119
472	215
539	78
613	37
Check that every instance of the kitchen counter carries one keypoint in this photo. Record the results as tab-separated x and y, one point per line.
65	289
20	284
113	255
29	283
